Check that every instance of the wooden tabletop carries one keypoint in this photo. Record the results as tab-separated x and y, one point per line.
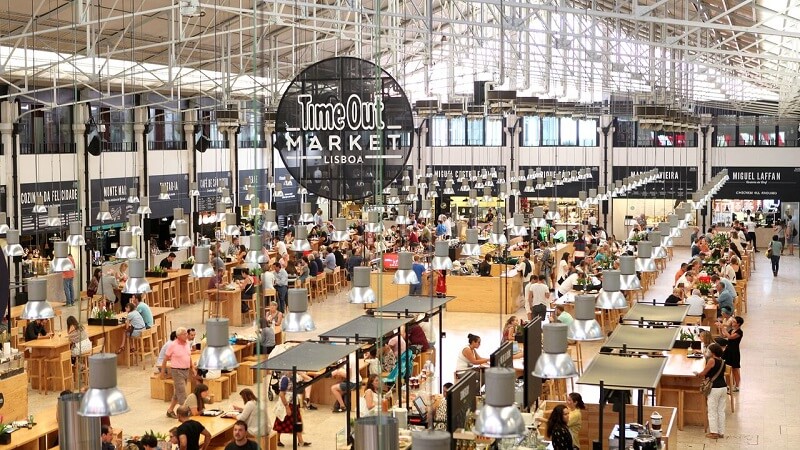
45	423
679	365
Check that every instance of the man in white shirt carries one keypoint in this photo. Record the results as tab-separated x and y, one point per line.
279	246
267	278
525	269
750	224
696	304
448	226
687	279
568	284
537	298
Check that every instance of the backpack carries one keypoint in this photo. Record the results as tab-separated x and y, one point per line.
528	268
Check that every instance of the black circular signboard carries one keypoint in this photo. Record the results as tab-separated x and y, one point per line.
344	128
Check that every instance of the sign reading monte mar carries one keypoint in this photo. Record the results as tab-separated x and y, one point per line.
344	128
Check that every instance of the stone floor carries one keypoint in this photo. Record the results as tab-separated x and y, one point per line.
765	414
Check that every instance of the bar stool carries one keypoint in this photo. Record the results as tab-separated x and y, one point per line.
251	314
154	297
170	294
332	280
60	371
145	346
210	305
36	374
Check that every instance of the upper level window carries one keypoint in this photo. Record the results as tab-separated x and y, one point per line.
458	130
549	130
494	131
587	132
475	130
438	131
531	131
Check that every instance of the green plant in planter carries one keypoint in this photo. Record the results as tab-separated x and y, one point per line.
104	314
5	434
686	335
721	240
703	287
157	269
159	436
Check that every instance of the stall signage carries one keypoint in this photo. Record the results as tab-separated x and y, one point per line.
344	128
568	189
207	184
671	182
178	188
115	192
456	172
760	183
61	193
259	178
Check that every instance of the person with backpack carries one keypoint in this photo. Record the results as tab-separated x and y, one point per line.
546	264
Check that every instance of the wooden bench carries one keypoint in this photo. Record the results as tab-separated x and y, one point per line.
161	389
246	373
220	388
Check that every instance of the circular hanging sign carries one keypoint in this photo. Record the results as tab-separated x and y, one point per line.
344	128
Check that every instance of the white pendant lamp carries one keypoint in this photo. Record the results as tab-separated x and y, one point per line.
644	257
585	327
362	292
218	353
473	197
374	222
528	186
659	250
164	193
220	209
402	215
61	262
538	220
499	417
471	248
432	192
552	211
104	213
53	217
300	243
425	210
270	220
193	191
431	440
231	227
103	398
177	217
255	256
448	187
125	249
627	269
75	237
225	196
404	273
181	239
554	362
12	247
136	283
464	186
135	224
201	267
393	199
519	228
441	259
133	196
3	223
144	206
37	306
305	213
487	194
277	191
610	296
38	206
502	192
674	226
412	196
298	319
498	236
340	232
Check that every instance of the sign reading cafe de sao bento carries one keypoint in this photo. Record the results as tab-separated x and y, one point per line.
344	128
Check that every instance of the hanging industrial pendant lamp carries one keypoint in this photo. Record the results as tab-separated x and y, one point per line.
585	327
300	243
12	247
362	292
393	199
104	213
75	237
554	362
37	306
471	247
404	273
518	228
448	187
231	228
644	257
201	267
255	256
432	192
674	226
53	217
627	269
164	193
181	239
218	353
610	296
425	210
193	191
464	186
38	206
3	223
270	220
177	217
340	232
144	207
277	191
374	222
305	213
220	209
298	319
473	198
502	194
402	215
431	440
136	283
135	224
498	236
499	418
61	261
125	249
133	196
225	196
552	211
487	194
103	398
441	259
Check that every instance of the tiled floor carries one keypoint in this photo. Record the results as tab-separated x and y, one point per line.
765	416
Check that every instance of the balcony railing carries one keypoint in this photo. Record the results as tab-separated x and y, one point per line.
47	148
166	145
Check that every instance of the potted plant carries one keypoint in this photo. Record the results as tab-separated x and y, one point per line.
704	287
5	434
103	317
161	438
188	264
156	272
685	339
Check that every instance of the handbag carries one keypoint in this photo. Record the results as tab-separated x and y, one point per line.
768	253
279	411
705	385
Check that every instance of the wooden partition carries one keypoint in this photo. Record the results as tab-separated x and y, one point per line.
15	395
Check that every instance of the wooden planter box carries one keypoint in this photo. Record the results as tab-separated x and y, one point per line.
103	322
155	274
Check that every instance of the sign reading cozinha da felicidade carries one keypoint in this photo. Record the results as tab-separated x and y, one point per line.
344	128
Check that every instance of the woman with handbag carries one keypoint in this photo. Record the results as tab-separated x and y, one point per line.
716	390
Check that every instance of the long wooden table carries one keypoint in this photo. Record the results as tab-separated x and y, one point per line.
230	304
679	381
43	435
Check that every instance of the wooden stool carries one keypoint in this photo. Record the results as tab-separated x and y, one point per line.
145	346
578	356
332	282
245	374
679	393
161	389
251	314
36	372
154	297
60	371
210	305
220	387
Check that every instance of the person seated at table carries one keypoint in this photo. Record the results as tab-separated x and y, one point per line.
36	330
149	442
302	271
348	382
687	279
266	337
680	272
485	267
134	325
196	401
726	320
696	304
469	357
248	287
94	283
241	253
107	437
354	259
144	310
109	288
557	430
676	298
510	335
249	414
216	282
562	316
417	337
569	282
163	352
274	316
189	431
79	342
166	263
725	296
240	438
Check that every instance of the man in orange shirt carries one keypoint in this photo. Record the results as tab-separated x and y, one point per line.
69	286
182	369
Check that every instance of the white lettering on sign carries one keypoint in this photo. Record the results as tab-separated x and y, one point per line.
356	115
171	185
737	175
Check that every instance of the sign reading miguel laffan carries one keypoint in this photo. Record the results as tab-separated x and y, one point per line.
676	182
760	183
344	128
61	193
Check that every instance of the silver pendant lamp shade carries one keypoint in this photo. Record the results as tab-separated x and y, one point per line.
201	267
404	274
103	398
361	292
610	296
3	223
471	248
218	354
627	278
37	306
177	217
374	222
277	191
181	239
163	193
540	184
340	233
674	226
125	249
135	224
255	257
554	362
592	199
12	247
548	182
412	193
499	417
225	196
441	259
487	194
255	207
552	211
300	243
473	197
402	215
584	327
61	262
251	192
602	193
681	212
498	236
425	210
104	213
193	190
663	240
38	206
515	188
133	196
464	186
529	187
431	440
231	228
270	220
298	319
75	237
448	187
538	220
519	228
305	213
53	217
144	206
644	257
583	199
137	283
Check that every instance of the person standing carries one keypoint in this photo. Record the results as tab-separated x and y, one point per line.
179	354
715	371
557	430
281	286
575	405
780	230
731	354
69	283
419	270
791	233
750	225
107	438
189	432
776	248
292	422
546	263
240	440
537	298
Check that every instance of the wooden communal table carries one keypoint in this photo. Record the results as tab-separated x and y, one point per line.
230	304
678	381
115	339
41	436
16	311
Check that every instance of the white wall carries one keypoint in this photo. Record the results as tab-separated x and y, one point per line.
33	168
166	162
